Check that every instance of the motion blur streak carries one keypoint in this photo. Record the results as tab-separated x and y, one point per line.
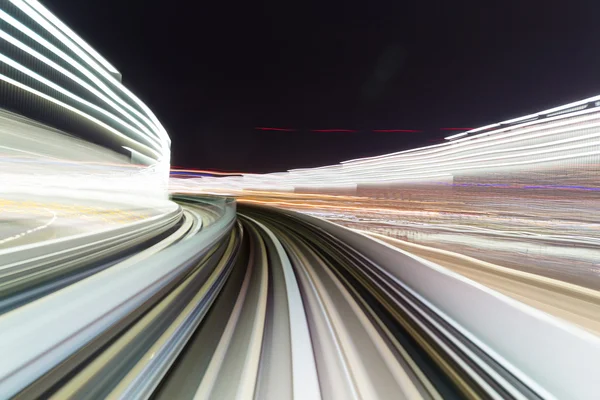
521	194
52	76
79	153
276	305
467	274
512	207
552	143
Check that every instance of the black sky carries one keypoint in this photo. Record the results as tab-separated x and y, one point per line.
212	71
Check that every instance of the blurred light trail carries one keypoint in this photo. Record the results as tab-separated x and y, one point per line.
554	143
522	195
570	302
92	104
356	130
95	157
426	273
207	171
333	130
239	303
397	130
262	128
44	225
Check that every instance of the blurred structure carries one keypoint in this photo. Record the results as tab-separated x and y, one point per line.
557	145
58	90
78	151
523	193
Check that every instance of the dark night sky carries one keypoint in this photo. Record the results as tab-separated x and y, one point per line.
212	71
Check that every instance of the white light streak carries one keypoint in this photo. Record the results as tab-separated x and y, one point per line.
75	110
95	66
50	17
